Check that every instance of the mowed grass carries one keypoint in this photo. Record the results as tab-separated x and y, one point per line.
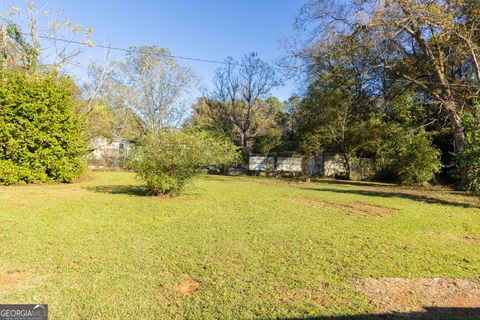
252	247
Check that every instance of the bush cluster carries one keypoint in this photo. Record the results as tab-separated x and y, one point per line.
468	162
167	160
407	157
41	140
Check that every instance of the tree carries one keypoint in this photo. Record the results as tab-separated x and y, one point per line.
431	45
327	122
103	104
405	155
207	118
33	37
471	157
154	86
238	98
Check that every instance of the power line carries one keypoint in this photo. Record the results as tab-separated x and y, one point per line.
130	50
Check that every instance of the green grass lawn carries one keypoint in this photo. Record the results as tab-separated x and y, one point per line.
231	247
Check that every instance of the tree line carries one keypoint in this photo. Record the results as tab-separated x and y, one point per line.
394	81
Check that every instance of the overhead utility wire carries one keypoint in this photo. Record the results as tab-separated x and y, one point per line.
204	60
129	50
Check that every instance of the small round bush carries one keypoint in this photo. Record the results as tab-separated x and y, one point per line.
167	160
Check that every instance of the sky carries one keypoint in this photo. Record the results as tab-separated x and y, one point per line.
207	29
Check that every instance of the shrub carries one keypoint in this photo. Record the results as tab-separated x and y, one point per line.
407	157
166	161
266	143
41	140
468	162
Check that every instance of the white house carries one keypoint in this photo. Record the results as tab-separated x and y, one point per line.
109	152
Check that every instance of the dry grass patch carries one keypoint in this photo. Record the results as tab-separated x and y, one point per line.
9	281
402	295
472	239
347	208
187	287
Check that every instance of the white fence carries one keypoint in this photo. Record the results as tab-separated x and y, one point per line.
289	164
261	164
275	164
324	164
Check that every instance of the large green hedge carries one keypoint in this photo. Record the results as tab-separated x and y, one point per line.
41	140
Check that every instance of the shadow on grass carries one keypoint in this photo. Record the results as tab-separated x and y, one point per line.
215	177
354	183
428	313
131	190
403	195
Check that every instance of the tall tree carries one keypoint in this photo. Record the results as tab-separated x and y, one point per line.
239	96
154	86
430	45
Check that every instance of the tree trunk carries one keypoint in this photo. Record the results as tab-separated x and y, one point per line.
347	165
244	140
459	141
457	127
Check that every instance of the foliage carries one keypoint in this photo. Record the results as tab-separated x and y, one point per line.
167	160
469	160
154	86
240	99
40	138
377	50
406	156
268	142
98	117
330	121
26	46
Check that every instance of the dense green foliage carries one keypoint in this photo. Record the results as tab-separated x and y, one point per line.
167	160
394	139
469	160
407	157
40	138
412	64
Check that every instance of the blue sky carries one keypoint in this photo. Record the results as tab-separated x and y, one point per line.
210	29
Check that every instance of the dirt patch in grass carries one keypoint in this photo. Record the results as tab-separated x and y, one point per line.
436	195
471	239
9	281
402	295
348	208
161	297
187	287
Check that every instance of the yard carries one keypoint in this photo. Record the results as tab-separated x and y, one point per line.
239	247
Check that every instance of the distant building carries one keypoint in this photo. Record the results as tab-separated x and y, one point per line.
109	153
